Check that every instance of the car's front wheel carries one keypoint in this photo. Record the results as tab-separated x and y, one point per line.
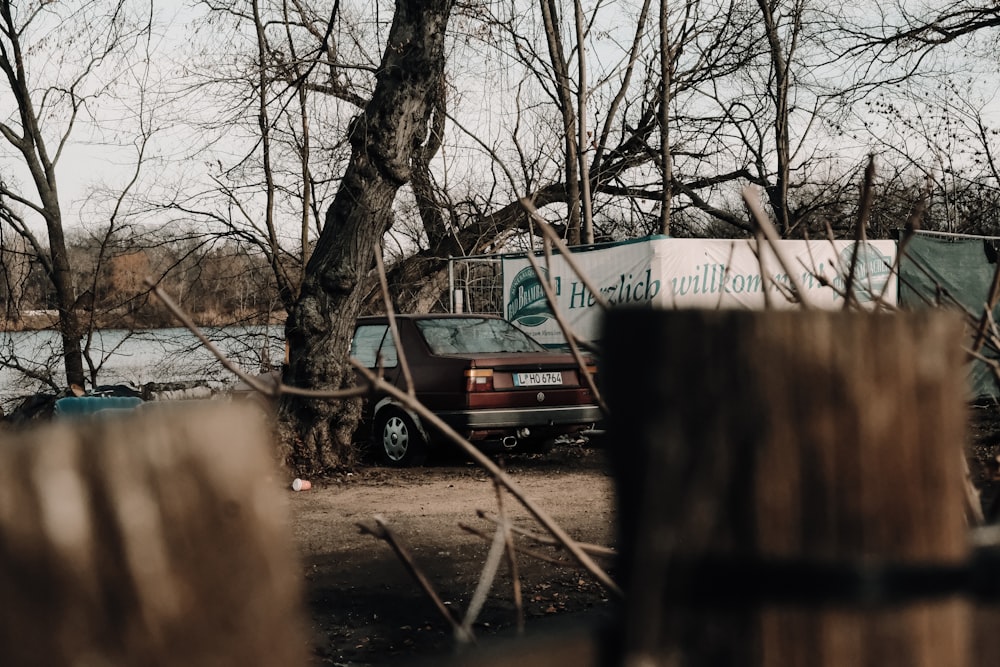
400	442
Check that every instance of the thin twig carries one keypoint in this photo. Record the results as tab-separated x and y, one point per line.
382	532
538	555
391	315
592	549
765	278
864	211
750	197
563	250
568	334
515	577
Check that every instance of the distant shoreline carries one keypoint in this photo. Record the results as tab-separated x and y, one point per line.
48	320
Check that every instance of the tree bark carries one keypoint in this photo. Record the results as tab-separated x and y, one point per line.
317	435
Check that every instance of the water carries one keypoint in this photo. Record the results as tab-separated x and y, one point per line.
137	357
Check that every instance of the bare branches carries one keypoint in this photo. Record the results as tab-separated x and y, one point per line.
502	543
958	20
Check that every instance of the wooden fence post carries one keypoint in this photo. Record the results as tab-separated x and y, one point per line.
155	538
768	465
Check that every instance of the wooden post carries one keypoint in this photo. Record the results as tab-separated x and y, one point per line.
154	538
761	458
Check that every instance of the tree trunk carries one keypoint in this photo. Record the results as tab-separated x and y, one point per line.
565	97
62	279
317	435
780	64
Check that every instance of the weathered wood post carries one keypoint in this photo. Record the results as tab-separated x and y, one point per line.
156	538
772	467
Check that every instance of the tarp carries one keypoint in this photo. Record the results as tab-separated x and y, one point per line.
955	272
693	273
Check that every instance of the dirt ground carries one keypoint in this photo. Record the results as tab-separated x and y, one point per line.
982	455
366	609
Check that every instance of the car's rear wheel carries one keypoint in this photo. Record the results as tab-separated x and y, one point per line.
400	442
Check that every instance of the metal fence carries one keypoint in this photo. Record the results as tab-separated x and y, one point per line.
476	284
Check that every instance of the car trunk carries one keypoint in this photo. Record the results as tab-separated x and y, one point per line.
479	381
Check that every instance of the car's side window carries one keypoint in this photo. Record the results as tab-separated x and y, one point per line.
368	339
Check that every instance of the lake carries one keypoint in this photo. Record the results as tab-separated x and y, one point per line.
138	357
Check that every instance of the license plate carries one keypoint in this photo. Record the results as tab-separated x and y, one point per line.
537	379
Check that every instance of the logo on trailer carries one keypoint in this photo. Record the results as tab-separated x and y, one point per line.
527	305
871	271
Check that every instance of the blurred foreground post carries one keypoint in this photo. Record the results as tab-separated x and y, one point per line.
764	461
158	537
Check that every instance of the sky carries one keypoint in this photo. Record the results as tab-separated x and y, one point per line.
102	152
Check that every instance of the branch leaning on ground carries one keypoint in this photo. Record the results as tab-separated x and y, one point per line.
382	532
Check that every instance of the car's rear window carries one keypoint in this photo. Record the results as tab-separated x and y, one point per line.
465	335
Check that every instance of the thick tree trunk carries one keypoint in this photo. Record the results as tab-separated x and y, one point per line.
317	434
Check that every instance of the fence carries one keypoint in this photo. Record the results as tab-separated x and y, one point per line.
476	284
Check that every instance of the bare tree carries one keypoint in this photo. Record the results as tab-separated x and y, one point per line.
383	138
782	41
48	106
565	102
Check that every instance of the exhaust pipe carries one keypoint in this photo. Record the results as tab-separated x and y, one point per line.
509	442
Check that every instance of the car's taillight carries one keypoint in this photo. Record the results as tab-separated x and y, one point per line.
479	379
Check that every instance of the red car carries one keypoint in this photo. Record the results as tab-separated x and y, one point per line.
483	376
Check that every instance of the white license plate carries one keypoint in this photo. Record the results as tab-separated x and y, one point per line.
537	379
